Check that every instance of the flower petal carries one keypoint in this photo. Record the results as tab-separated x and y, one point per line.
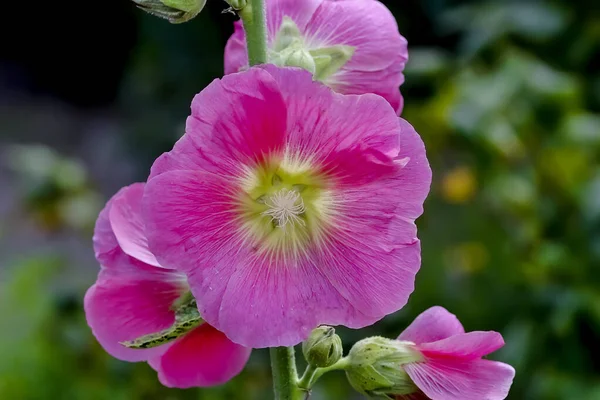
236	56
366	25
235	122
124	306
465	345
319	127
432	325
106	246
204	357
301	12
451	379
383	82
128	226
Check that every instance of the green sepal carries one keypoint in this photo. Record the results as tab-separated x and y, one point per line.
187	317
175	11
328	60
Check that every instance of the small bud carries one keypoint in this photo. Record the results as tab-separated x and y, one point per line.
323	348
375	366
175	11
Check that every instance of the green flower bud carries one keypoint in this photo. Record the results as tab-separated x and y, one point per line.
175	11
323	348
375	367
237	4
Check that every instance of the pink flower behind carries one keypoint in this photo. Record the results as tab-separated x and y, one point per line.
289	206
452	367
134	295
368	29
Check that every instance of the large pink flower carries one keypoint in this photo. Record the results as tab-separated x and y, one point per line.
451	366
288	205
355	44
134	295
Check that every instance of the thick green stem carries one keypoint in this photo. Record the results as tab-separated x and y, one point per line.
285	377
254	18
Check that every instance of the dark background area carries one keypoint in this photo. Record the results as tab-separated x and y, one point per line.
506	95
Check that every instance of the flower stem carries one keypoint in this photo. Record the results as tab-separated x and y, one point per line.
305	383
285	377
311	374
253	17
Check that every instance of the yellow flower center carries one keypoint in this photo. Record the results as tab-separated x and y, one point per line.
284	206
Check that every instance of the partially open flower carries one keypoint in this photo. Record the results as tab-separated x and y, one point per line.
289	206
353	46
432	359
136	296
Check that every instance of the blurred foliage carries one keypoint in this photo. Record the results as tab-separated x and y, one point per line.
506	95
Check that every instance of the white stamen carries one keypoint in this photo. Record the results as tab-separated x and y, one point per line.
285	206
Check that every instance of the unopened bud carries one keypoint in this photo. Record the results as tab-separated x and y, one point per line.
375	366
175	11
323	348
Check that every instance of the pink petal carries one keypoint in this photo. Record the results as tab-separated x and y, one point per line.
301	12
319	128
128	226
451	379
464	345
236	121
383	82
189	218
203	357
106	246
432	325
366	25
123	306
236	56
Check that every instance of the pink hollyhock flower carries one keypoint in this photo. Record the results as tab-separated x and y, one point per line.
288	206
353	46
451	365
134	296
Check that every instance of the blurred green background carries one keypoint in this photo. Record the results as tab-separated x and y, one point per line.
506	95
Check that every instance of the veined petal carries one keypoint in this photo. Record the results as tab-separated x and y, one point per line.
319	128
432	325
236	121
455	379
203	357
